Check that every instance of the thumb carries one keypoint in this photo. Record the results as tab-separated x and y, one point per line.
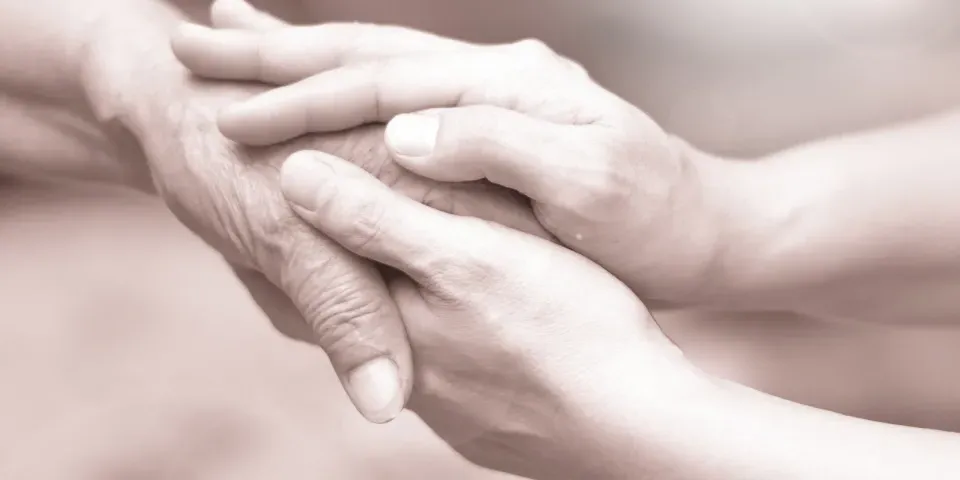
536	158
347	310
365	216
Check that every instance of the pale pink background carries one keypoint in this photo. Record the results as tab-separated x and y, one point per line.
128	352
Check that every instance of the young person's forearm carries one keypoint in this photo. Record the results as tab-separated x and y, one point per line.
745	434
724	431
862	227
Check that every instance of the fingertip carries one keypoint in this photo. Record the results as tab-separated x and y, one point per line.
224	13
219	54
304	176
306	161
377	390
233	124
185	42
246	124
260	121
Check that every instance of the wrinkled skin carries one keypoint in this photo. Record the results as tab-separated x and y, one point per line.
229	196
603	177
519	342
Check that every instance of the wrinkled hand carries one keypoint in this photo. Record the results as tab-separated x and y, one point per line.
603	177
310	287
519	343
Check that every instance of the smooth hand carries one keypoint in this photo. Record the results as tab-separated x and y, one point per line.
229	195
521	345
603	177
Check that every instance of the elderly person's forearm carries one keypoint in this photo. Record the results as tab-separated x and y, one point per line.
65	67
47	42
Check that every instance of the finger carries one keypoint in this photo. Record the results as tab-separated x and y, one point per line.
347	308
372	92
238	14
364	216
285	55
478	200
536	158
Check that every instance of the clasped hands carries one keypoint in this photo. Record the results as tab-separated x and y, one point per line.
502	225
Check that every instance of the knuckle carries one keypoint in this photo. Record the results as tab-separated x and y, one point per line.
469	268
340	312
476	263
536	56
475	130
604	188
577	68
340	40
534	47
349	37
371	73
478	143
431	379
346	320
220	11
368	223
366	37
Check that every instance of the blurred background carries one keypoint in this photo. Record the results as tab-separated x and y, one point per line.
129	352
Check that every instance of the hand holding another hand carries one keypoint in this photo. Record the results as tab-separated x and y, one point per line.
519	344
603	178
229	195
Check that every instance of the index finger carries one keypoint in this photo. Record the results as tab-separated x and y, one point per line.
366	93
284	55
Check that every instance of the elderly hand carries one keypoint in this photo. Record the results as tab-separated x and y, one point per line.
603	177
230	196
520	344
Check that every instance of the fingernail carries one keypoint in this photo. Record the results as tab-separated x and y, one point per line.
375	390
303	178
412	135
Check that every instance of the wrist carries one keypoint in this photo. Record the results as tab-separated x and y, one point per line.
129	78
623	421
129	73
745	212
685	424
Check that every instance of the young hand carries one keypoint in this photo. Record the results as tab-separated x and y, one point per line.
520	345
603	177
